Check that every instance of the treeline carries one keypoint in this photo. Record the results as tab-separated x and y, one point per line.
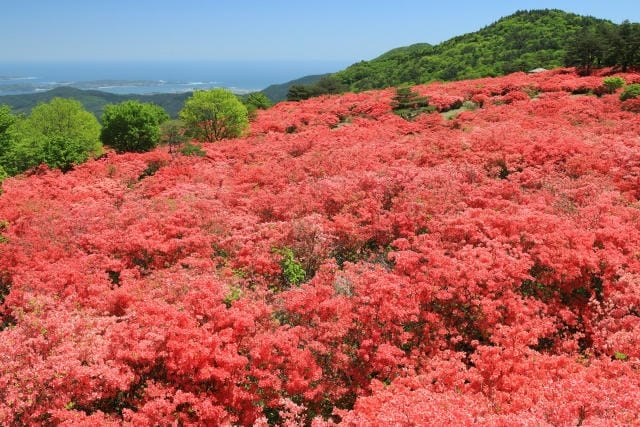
605	45
62	133
326	85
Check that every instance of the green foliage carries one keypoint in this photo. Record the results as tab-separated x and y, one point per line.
191	149
212	115
93	101
520	42
620	356
624	45
256	101
278	92
292	269
132	126
587	48
7	131
603	44
409	104
61	133
327	85
613	83
172	133
631	91
300	92
234	294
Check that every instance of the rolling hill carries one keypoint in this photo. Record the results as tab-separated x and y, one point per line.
522	41
519	42
278	92
93	100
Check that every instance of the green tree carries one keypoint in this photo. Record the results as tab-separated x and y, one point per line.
3	176
256	101
330	85
60	133
630	92
259	100
586	50
215	114
132	126
7	130
300	92
408	104
612	84
172	134
626	45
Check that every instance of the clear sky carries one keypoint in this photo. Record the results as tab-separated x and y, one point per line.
325	30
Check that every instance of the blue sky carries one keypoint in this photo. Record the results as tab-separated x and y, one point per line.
327	30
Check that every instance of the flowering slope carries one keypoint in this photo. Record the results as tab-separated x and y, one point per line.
339	264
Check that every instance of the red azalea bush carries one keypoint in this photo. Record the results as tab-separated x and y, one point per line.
339	265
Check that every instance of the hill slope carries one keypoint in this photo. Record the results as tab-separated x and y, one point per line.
93	100
278	92
339	264
519	42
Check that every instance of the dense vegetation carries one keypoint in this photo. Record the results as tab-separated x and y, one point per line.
215	114
605	45
59	134
93	101
340	264
62	134
132	126
278	92
523	41
520	42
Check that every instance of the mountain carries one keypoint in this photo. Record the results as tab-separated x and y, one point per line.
519	42
93	100
278	92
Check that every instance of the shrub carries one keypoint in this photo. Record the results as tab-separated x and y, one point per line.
409	104
631	91
212	115
612	84
132	126
292	270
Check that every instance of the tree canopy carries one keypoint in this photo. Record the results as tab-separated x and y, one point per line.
132	126
212	115
60	133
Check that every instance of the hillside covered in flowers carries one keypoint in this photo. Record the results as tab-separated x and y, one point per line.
340	264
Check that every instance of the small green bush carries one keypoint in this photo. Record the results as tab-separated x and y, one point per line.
292	270
612	84
631	91
408	104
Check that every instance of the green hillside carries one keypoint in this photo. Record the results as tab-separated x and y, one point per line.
278	92
519	42
93	100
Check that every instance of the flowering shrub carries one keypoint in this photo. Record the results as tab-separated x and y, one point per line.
359	269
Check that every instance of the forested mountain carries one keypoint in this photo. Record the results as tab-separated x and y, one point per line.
93	100
519	42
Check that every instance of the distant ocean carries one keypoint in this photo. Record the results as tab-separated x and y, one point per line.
155	77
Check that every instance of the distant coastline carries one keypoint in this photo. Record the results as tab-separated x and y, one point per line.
154	77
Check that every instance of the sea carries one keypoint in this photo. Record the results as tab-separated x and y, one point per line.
150	77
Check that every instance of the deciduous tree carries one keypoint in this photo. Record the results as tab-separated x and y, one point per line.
132	126
212	115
